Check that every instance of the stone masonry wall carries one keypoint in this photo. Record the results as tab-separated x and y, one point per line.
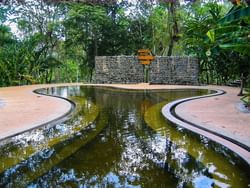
163	70
118	69
174	70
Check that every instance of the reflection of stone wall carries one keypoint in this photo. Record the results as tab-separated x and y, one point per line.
174	70
163	70
118	69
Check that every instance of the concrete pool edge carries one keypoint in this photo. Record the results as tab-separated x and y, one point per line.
168	111
60	119
33	90
57	118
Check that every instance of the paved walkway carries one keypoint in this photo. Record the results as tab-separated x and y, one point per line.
23	110
1	103
220	114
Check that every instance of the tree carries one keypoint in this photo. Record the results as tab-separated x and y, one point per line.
199	20
58	40
83	28
232	35
173	29
42	20
160	36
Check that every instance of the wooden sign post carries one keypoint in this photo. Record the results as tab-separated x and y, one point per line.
145	58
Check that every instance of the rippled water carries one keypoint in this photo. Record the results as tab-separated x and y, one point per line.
118	138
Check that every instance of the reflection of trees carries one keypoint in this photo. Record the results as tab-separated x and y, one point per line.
135	160
141	162
86	113
97	158
37	140
118	149
190	156
41	165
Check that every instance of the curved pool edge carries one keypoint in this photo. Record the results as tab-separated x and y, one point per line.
62	117
59	119
168	111
31	90
234	147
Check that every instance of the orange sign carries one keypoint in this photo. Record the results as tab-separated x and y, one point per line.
145	57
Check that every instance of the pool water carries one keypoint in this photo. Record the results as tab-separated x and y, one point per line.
118	138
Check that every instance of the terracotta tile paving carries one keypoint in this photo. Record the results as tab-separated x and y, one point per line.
23	110
219	114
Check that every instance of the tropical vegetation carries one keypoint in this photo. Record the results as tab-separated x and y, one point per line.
57	41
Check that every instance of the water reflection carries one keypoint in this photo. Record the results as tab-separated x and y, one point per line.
125	142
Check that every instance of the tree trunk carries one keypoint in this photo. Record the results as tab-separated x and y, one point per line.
170	48
173	26
241	85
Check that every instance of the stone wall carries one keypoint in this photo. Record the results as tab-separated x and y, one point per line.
163	70
174	70
118	69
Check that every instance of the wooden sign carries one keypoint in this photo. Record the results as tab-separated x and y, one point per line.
145	57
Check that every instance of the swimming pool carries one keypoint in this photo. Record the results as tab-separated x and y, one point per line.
118	138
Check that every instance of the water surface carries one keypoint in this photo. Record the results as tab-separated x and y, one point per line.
118	138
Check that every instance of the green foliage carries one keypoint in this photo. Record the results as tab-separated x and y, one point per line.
246	98
231	35
68	72
58	42
232	32
198	22
237	13
3	14
160	40
220	42
5	35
